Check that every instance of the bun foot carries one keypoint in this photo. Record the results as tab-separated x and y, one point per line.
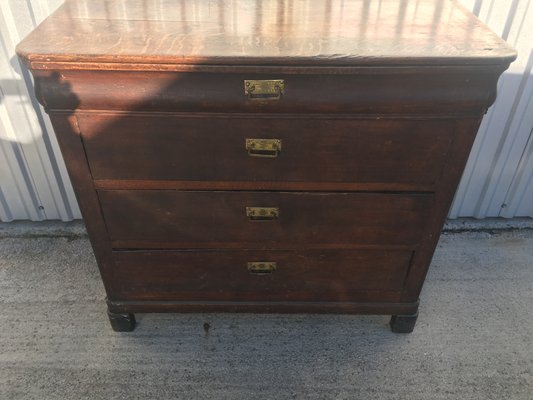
403	323
121	322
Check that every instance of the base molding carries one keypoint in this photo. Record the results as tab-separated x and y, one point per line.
116	306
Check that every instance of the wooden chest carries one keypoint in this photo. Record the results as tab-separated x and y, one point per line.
261	155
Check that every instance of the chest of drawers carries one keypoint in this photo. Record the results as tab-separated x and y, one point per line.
261	155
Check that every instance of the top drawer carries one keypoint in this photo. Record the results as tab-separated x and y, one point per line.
203	148
376	91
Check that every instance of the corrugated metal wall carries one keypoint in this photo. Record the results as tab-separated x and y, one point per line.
33	181
498	180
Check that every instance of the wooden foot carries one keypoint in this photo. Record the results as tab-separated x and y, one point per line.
403	323
121	322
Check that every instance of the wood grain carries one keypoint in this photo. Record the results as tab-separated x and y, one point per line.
218	218
70	142
261	32
381	105
319	275
315	307
213	149
285	186
415	91
466	129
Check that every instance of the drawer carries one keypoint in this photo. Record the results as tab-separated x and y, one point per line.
359	90
188	219
312	275
313	150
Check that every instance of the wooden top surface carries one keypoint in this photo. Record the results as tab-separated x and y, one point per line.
108	33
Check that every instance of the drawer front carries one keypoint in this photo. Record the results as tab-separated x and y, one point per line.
380	90
183	219
296	150
317	275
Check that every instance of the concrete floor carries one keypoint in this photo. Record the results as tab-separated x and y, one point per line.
473	340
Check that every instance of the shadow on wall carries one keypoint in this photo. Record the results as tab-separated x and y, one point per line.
26	143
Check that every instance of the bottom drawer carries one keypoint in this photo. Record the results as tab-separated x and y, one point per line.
288	275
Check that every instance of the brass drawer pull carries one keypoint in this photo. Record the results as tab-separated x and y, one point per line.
265	89
262	267
263	147
262	213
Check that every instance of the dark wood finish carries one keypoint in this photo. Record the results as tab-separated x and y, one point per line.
111	184
420	91
403	323
381	105
213	149
282	307
326	275
121	322
68	136
466	129
207	219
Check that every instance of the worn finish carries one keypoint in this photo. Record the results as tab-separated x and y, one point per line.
271	32
208	218
375	91
299	276
359	147
198	148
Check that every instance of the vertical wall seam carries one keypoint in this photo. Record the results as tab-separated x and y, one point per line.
5	212
36	161
510	19
526	156
503	143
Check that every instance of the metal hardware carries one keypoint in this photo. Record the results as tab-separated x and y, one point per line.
266	89
263	147
262	213
262	267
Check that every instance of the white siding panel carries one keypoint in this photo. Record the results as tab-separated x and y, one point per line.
521	193
497	181
498	150
33	180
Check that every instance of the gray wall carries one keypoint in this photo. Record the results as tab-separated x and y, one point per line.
498	180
